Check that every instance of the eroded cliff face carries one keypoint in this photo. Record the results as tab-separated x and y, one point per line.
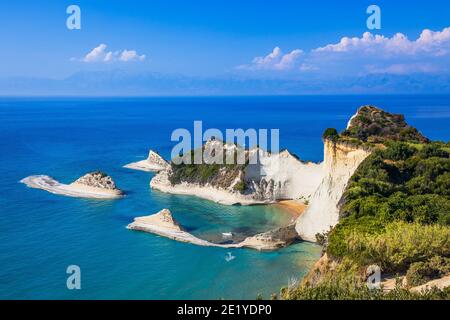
340	162
157	161
282	176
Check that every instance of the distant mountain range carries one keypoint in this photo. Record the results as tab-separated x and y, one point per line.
123	83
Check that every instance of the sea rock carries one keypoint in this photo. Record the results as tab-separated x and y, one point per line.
273	239
97	179
94	185
162	219
166	217
153	163
158	161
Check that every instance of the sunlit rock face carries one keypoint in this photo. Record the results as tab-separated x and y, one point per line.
269	178
340	163
97	179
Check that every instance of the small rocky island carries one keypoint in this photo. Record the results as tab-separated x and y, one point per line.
95	185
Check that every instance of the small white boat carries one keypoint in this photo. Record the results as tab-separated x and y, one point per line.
227	235
229	257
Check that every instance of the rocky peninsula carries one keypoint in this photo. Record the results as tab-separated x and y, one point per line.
163	224
94	185
277	176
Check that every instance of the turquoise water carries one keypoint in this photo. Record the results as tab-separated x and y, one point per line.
41	233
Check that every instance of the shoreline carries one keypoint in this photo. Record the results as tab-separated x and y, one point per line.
207	192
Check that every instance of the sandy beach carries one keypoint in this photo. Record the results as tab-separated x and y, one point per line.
294	207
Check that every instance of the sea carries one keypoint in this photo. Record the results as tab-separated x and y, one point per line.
42	234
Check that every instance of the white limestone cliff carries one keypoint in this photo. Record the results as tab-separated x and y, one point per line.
282	176
340	162
278	176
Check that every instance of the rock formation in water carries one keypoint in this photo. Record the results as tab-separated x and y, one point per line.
96	185
163	224
273	239
153	163
97	179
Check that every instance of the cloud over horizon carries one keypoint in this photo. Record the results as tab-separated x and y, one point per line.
275	60
100	54
367	54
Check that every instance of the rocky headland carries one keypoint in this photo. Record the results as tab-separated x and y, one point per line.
163	224
383	205
275	177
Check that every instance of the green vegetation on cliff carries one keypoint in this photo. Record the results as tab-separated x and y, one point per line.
374	125
220	175
395	213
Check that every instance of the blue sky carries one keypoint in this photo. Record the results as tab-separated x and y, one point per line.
215	38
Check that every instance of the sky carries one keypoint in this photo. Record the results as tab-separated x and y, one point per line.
249	39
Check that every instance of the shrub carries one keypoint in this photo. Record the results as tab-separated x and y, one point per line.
240	186
433	150
398	246
341	290
339	235
398	151
422	272
331	134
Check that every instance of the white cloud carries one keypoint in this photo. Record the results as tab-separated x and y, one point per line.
431	42
288	60
108	57
308	67
275	60
96	54
100	54
131	55
370	53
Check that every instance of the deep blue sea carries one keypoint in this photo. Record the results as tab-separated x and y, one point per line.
41	233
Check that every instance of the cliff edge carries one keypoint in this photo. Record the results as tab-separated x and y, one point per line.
340	162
